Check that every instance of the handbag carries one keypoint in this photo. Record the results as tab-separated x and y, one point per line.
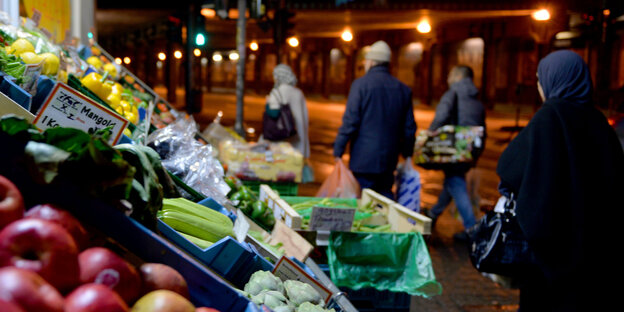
498	245
282	127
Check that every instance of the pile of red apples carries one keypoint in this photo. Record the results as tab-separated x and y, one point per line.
46	264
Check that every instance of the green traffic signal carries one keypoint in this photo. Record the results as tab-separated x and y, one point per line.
200	39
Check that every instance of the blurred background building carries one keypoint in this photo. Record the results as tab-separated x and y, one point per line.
324	42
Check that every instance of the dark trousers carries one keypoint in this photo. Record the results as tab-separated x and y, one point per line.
378	182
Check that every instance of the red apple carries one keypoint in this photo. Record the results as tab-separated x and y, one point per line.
94	298
43	247
6	306
29	291
160	276
204	309
11	202
163	301
102	266
63	218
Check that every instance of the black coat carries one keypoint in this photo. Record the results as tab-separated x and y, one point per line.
378	121
567	169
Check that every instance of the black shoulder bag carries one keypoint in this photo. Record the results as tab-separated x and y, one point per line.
498	245
282	127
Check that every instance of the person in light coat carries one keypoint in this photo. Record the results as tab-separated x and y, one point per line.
286	92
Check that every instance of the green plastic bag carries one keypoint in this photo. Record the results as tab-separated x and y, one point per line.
397	262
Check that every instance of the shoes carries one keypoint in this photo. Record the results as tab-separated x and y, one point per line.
461	237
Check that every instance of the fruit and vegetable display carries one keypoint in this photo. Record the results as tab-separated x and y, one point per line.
243	198
199	224
125	172
114	94
32	47
366	218
283	296
49	261
278	162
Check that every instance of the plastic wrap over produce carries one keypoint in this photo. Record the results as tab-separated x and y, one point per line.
265	161
194	163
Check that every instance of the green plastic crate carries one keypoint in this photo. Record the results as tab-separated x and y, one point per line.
347	202
282	188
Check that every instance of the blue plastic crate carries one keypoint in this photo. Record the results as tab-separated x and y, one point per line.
15	92
211	203
229	258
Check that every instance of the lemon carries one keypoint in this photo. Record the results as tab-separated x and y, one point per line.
31	58
94	61
22	45
51	63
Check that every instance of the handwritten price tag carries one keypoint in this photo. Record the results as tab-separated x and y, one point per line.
67	107
331	219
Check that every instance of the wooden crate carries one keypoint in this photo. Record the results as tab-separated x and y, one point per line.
281	209
397	215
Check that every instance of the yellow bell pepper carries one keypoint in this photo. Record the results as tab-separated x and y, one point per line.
127	132
120	110
106	89
92	82
113	99
125	105
117	88
131	117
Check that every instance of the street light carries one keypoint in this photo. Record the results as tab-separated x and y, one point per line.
177	54
293	42
423	27
197	52
233	56
541	15
126	60
118	60
217	57
162	56
347	35
253	46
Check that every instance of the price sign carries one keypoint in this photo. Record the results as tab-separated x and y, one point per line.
241	227
287	269
67	107
331	219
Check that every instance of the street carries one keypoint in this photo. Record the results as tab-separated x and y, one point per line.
464	289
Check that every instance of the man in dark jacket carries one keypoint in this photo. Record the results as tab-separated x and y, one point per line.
458	106
379	123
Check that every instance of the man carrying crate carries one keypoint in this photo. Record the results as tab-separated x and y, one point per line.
458	106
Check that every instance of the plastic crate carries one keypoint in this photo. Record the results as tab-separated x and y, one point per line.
227	257
347	202
282	188
371	299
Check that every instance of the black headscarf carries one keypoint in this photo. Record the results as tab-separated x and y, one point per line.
564	75
567	170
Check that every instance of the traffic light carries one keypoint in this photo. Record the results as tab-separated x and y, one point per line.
283	25
200	39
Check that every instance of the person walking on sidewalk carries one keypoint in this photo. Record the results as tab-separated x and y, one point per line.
458	106
565	168
378	122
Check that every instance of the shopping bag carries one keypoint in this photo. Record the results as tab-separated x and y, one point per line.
340	183
398	262
408	185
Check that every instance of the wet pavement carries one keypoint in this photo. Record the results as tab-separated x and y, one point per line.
464	289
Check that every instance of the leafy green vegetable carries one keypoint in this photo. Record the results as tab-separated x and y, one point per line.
12	66
92	163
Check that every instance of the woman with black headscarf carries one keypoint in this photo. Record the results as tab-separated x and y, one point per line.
566	168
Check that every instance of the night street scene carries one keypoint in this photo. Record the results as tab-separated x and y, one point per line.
330	155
